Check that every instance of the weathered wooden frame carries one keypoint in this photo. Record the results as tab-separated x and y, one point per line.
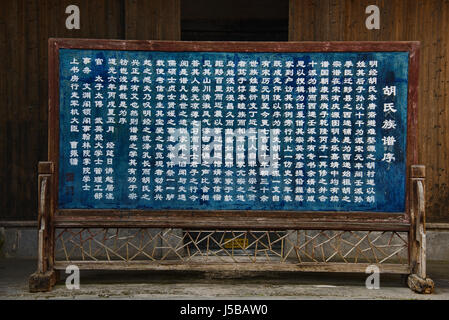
51	217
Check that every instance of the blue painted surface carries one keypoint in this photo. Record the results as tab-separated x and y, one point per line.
389	177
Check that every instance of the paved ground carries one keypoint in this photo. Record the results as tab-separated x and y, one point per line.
189	285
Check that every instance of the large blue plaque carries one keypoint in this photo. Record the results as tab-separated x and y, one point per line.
232	131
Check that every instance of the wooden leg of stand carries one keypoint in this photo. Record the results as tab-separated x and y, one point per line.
418	280
45	277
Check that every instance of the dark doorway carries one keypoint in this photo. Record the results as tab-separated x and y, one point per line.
234	20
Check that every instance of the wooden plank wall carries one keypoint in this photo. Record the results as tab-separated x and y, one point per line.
25	26
423	20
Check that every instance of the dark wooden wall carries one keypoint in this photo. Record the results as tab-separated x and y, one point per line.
25	27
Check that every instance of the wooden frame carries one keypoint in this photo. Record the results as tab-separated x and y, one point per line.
210	219
255	220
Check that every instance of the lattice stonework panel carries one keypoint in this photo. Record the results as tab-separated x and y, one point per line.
290	246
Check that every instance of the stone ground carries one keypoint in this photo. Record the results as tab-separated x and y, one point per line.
196	285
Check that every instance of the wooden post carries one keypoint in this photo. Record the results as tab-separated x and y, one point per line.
45	277
418	280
